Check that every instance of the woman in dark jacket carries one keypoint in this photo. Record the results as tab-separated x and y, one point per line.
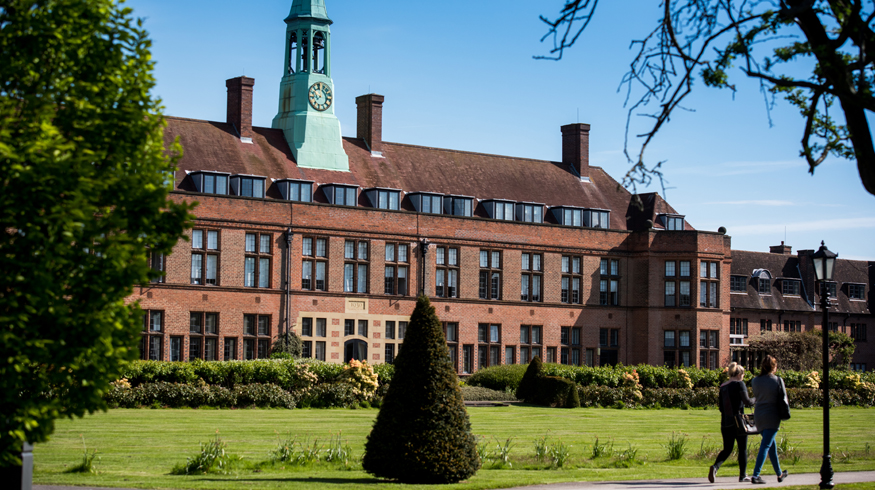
733	398
768	393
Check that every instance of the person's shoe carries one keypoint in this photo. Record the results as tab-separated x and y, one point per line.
782	476
757	479
712	472
743	478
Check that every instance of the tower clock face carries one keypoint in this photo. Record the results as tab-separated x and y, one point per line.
320	96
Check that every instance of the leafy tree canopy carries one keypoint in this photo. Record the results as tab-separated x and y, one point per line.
768	40
85	182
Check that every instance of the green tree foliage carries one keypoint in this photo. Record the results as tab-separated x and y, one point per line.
288	343
529	384
773	42
803	351
422	433
84	177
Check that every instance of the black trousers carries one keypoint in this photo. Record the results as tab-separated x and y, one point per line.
731	435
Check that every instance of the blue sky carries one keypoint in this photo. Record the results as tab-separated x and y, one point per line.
460	74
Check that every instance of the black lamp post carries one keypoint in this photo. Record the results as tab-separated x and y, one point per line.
824	264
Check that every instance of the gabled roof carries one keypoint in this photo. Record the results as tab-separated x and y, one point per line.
215	146
780	266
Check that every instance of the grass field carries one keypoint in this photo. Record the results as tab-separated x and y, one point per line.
138	448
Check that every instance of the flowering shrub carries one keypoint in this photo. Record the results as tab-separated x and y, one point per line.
360	376
683	380
812	380
121	384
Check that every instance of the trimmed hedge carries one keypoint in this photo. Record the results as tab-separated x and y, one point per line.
176	395
509	376
480	394
604	396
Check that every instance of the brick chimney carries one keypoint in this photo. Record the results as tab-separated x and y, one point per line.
781	249
369	122
575	148
240	106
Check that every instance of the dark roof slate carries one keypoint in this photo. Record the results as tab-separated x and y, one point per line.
215	146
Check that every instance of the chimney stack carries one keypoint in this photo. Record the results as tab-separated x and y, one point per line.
240	106
781	249
369	122
575	148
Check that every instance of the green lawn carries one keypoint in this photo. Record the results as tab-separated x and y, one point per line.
138	448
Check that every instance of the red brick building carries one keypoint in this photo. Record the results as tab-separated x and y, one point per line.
298	228
777	291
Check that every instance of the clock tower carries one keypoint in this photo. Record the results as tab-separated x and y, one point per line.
306	105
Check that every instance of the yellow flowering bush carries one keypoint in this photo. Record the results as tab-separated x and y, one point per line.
812	380
361	377
121	384
683	380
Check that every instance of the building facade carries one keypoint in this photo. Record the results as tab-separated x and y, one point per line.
777	291
298	228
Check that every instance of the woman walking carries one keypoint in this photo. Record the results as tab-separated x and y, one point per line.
733	399
768	390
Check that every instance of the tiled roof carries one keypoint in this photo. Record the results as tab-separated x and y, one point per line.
215	146
789	266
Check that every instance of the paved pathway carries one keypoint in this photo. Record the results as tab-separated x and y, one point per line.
725	482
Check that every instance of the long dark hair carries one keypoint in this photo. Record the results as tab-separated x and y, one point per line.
768	366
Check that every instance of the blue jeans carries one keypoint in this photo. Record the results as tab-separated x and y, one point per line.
768	446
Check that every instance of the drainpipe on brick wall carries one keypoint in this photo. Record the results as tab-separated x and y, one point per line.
423	247
288	279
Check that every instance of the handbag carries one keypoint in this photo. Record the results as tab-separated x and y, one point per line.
784	402
746	423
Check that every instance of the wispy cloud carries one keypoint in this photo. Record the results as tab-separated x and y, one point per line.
726	169
753	203
804	226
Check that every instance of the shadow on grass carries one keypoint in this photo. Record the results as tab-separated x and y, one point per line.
672	484
340	481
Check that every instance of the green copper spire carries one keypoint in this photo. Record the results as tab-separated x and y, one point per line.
306	104
310	9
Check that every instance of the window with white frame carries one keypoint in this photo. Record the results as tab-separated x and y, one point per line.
709	284
490	274
256	266
530	343
737	331
152	339
205	257
609	282
790	287
532	277
396	269
314	264
446	272
857	291
489	345
355	266
572	276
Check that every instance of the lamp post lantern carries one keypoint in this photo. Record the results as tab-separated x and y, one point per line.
824	264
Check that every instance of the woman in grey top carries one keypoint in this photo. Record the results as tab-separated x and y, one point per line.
767	391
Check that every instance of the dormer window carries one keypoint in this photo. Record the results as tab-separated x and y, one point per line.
597	218
247	185
426	203
568	216
672	222
763	280
384	198
856	291
530	213
341	195
210	182
790	287
503	210
458	205
296	190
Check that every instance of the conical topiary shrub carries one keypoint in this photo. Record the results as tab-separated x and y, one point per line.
422	433
528	385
